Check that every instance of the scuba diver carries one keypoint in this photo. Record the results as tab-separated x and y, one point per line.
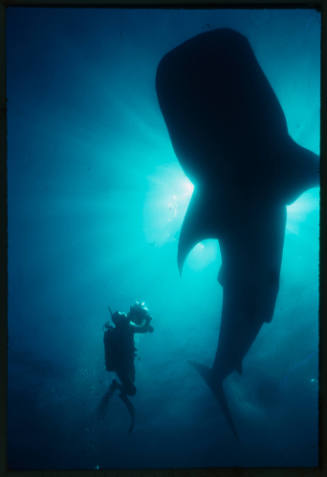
120	353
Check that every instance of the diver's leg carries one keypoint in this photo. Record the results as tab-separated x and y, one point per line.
123	396
114	385
127	381
102	407
127	388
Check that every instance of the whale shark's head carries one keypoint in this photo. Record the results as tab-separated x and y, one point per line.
225	122
213	96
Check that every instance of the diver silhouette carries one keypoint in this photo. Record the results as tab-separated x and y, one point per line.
120	353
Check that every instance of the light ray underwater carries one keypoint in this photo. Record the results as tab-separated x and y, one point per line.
148	161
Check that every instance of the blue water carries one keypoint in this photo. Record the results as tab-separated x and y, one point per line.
96	198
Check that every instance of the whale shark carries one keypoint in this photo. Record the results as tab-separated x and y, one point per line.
230	135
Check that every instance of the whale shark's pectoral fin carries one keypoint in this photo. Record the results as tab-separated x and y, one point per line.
203	220
218	391
191	232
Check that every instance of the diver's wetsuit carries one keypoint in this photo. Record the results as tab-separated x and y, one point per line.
120	353
120	350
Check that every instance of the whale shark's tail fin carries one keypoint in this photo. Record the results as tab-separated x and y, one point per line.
218	392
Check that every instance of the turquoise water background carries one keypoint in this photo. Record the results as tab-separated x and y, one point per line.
96	199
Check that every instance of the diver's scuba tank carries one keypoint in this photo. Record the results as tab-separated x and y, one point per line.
107	340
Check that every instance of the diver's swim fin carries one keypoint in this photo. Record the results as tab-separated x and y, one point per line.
218	392
130	409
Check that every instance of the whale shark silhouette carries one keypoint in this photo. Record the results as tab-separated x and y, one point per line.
230	135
